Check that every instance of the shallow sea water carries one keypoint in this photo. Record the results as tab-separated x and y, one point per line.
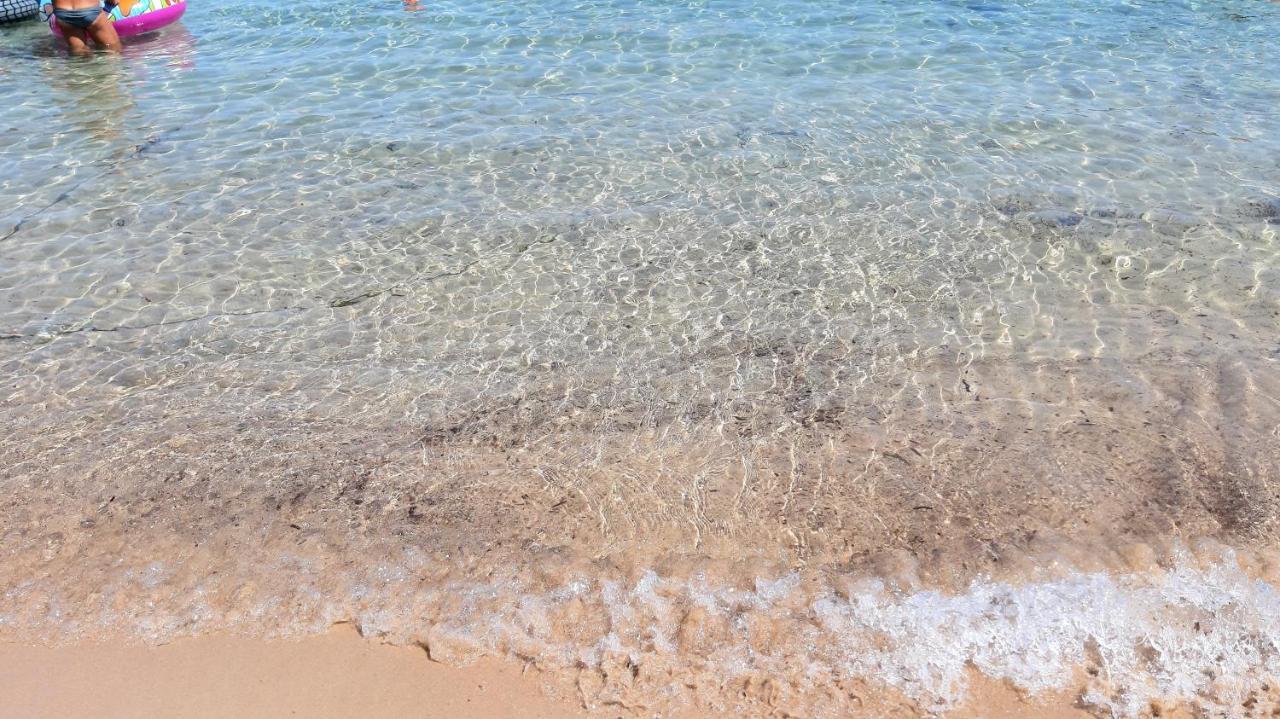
327	310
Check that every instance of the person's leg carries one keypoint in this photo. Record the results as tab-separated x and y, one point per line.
77	39
103	32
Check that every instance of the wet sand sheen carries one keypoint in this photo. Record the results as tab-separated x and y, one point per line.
326	677
339	675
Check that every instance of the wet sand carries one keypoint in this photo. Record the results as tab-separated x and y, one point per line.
333	675
339	675
1194	629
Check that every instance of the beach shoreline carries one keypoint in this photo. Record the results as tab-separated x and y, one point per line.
340	674
1190	628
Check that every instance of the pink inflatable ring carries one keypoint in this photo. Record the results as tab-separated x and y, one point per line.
143	16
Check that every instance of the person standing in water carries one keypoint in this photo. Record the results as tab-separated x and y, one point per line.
82	22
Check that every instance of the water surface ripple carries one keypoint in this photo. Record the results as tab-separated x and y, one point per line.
299	301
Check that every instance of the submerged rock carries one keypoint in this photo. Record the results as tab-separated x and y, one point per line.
1264	208
1055	218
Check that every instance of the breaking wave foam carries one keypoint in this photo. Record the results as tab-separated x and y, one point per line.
1196	631
1206	637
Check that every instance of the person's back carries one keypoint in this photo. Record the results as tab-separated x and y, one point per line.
83	21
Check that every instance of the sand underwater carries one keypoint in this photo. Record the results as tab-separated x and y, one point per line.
667	359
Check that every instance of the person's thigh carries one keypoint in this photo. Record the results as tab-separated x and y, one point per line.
103	32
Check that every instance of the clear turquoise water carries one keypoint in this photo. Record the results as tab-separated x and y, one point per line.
552	226
562	106
318	154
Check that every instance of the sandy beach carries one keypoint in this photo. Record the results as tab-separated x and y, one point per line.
328	676
339	675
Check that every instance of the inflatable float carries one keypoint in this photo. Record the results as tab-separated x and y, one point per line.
15	10
135	17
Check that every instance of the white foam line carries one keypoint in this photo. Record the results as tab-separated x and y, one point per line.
1207	637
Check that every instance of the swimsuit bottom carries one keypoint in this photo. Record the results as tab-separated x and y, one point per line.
79	19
